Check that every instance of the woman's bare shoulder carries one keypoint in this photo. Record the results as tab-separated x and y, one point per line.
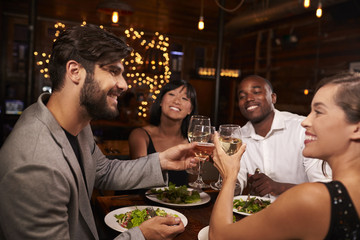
137	134
307	195
305	206
308	191
138	143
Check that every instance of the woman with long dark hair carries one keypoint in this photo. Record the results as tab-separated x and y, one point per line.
169	120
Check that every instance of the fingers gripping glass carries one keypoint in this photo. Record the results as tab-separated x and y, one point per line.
200	131
230	140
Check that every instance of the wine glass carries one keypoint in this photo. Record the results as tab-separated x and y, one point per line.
200	131
230	140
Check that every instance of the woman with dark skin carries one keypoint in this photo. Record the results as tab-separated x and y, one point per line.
310	210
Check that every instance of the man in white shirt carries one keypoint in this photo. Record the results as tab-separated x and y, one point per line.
275	141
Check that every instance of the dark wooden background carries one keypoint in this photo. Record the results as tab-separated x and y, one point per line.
257	39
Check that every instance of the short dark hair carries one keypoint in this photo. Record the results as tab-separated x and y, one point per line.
88	45
257	76
267	82
155	111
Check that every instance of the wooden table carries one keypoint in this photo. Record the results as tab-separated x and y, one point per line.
198	216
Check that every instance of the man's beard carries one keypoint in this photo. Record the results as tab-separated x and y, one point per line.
95	101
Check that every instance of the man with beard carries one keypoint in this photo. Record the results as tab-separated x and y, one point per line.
50	163
273	160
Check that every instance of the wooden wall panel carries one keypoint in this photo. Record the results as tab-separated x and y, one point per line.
325	47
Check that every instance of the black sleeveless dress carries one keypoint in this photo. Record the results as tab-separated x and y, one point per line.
179	178
345	222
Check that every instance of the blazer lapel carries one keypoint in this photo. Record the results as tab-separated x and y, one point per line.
69	156
85	143
84	199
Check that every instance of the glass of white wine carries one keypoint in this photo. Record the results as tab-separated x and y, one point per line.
230	140
200	131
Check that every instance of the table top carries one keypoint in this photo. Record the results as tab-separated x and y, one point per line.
198	216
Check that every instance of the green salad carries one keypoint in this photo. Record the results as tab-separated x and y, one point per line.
136	217
252	205
178	195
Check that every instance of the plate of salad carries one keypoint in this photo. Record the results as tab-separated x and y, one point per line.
122	219
178	196
247	205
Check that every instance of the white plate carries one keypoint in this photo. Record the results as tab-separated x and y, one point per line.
245	197
204	198
111	221
204	233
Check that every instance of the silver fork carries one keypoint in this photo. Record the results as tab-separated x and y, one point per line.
257	170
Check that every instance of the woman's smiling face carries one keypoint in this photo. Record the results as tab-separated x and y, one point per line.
327	130
176	104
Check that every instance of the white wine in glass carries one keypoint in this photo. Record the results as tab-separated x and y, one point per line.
230	145
200	131
230	140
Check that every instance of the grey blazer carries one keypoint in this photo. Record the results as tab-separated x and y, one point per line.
42	191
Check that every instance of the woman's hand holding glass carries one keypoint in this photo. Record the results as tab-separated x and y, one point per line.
227	164
230	141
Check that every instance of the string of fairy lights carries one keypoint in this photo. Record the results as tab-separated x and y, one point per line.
147	67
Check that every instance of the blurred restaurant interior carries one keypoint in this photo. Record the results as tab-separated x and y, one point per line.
281	40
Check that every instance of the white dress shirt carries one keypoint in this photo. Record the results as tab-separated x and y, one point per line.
279	153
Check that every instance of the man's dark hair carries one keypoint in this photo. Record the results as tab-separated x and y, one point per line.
253	76
88	45
155	111
257	76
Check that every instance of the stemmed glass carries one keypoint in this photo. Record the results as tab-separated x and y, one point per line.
230	140
200	131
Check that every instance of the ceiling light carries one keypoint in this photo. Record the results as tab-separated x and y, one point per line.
319	10
115	17
306	3
201	23
115	8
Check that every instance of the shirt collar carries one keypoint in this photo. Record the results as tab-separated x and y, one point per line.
278	123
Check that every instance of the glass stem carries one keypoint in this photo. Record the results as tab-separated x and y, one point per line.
199	178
